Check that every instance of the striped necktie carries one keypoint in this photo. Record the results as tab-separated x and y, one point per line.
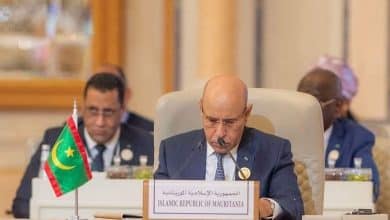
98	161
219	172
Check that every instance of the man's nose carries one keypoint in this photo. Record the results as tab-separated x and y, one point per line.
100	120
221	129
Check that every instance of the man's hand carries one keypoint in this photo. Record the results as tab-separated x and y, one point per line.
265	208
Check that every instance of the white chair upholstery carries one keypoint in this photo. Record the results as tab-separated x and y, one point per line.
289	114
381	152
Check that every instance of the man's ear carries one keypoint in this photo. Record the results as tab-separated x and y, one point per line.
123	109
128	94
248	110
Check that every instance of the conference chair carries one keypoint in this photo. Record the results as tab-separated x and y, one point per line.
381	153
289	114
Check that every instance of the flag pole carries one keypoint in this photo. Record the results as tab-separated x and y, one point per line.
76	192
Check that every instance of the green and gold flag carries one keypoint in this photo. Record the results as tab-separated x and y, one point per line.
67	165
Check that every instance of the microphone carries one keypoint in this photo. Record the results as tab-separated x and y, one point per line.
187	161
222	143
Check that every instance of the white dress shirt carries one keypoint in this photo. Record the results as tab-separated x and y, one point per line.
229	168
228	165
327	134
108	154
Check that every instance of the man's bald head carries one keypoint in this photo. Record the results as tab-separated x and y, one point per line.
321	84
227	89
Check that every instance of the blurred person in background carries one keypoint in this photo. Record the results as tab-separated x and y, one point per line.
102	133
349	81
347	143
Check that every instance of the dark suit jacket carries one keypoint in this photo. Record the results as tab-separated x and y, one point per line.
138	140
268	157
353	140
139	121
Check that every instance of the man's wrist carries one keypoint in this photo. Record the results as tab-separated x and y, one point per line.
276	209
272	205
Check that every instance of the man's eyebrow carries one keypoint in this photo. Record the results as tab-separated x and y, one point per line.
108	109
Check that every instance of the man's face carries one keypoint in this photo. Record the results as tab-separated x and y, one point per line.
330	110
325	86
102	114
330	104
225	122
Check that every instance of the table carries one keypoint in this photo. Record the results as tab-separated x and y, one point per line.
342	197
97	195
125	195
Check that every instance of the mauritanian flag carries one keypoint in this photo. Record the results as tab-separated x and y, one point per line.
67	165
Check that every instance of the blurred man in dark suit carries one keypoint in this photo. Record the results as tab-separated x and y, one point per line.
346	142
103	134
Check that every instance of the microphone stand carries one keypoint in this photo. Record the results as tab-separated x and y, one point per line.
237	167
222	142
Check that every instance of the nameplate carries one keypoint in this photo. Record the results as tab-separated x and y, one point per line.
180	199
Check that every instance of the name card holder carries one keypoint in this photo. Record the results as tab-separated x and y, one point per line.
196	199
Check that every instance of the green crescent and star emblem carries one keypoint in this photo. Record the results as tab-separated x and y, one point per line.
67	166
69	153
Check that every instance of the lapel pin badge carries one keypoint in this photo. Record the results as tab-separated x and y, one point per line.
127	154
244	173
334	155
